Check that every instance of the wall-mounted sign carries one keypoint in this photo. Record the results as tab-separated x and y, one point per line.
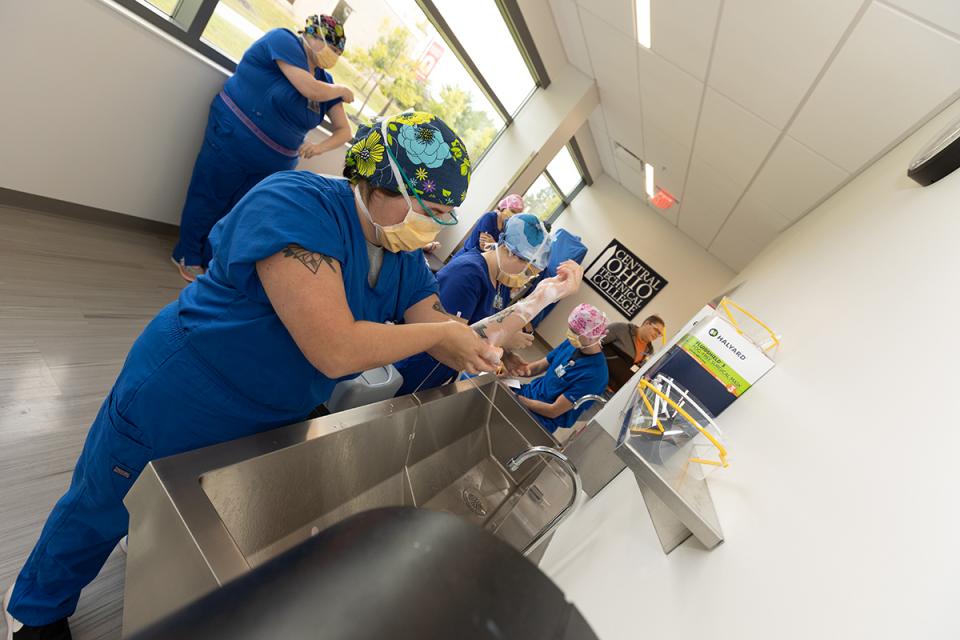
623	279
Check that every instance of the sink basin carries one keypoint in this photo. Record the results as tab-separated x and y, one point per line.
204	517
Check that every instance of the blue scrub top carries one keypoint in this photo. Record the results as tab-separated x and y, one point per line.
571	374
486	224
465	288
265	95
227	317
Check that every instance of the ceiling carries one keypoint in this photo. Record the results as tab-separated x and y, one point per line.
754	111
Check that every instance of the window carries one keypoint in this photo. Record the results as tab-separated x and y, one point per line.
401	54
166	6
395	60
236	24
492	48
553	189
542	199
564	172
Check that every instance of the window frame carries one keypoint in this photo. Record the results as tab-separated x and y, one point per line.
190	19
585	181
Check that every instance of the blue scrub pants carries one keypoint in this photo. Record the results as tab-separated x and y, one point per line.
231	161
165	401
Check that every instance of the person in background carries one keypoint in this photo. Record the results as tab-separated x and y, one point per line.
628	347
257	125
313	280
636	342
574	369
475	285
490	225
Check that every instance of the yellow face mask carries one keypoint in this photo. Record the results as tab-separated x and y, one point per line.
515	280
326	58
414	232
577	341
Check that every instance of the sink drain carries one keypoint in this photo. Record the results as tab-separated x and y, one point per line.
474	502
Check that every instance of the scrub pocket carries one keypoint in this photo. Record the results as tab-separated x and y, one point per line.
220	128
127	454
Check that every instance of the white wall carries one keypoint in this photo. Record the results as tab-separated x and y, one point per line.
840	507
606	211
101	109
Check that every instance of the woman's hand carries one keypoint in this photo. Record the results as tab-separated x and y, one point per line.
485	239
516	366
345	93
519	340
308	150
566	282
462	349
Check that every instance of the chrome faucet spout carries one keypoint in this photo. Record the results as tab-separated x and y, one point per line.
588	398
574	503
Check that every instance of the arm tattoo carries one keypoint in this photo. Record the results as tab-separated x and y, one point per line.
480	330
503	315
310	259
438	307
494	319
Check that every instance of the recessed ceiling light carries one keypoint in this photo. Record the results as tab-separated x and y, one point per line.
644	35
648	179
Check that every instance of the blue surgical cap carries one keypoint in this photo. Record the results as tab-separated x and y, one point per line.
526	236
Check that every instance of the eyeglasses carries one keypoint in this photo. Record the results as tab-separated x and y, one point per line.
447	219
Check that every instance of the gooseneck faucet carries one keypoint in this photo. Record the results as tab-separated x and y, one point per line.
571	470
588	398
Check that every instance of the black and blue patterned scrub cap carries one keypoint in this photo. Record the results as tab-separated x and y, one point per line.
431	157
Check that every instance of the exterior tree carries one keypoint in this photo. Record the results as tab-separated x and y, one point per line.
391	71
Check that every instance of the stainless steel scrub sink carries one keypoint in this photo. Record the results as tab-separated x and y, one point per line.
204	517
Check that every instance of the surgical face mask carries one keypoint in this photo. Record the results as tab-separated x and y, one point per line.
414	232
515	280
578	341
326	57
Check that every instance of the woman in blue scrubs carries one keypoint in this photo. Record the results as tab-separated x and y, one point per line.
476	285
307	271
576	368
490	225
257	125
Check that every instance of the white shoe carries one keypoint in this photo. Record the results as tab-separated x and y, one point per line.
12	625
123	545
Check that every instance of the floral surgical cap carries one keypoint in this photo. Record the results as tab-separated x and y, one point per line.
587	321
431	157
328	28
513	202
